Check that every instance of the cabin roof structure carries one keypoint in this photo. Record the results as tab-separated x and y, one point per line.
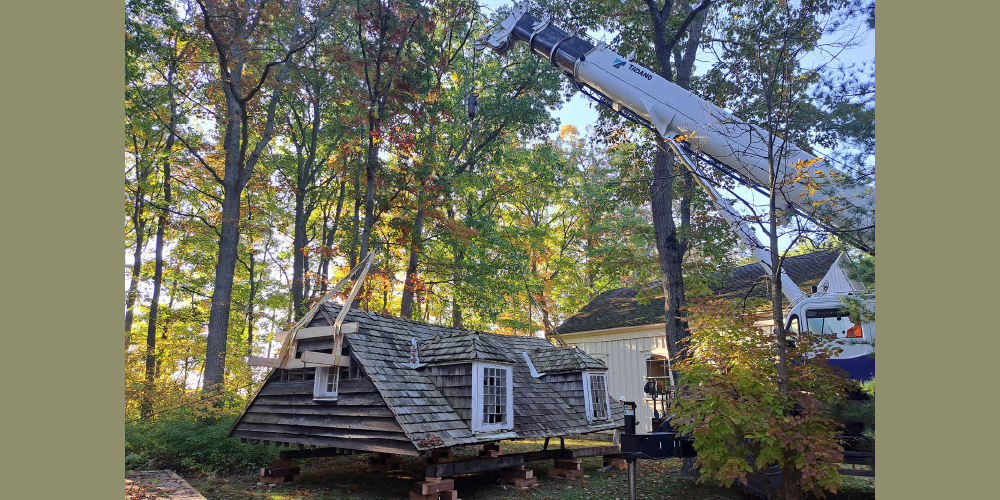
462	345
382	345
563	359
622	308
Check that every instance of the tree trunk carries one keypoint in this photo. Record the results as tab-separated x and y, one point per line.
355	220
416	236
133	288
456	278
225	270
669	248
161	224
298	259
324	266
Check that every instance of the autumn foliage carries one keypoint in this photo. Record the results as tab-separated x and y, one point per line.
731	404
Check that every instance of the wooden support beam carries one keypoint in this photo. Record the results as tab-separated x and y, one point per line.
321	331
268	362
324	359
314	453
484	464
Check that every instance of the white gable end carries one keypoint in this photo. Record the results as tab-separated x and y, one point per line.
836	279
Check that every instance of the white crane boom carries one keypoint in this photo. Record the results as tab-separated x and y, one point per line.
644	97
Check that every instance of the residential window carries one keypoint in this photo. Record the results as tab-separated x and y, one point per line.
595	388
325	385
492	397
658	371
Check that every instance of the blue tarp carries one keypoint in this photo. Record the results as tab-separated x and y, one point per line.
860	368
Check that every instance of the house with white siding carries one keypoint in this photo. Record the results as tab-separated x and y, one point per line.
629	337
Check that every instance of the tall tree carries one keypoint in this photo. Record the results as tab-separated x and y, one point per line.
763	64
244	36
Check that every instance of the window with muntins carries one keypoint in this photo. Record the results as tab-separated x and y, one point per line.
596	392
325	384
492	393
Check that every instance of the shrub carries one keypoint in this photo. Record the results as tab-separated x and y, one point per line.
731	404
192	440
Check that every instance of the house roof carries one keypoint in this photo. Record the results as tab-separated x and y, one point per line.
462	345
620	307
563	359
382	345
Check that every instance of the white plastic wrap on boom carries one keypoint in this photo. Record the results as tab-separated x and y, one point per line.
674	111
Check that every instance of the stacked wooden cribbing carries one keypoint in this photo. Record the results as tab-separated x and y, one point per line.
567	469
615	461
441	456
280	471
518	477
490	450
384	462
434	488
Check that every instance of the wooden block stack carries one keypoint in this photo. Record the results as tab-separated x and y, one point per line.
434	488
616	462
384	462
441	456
490	450
280	471
518	477
567	469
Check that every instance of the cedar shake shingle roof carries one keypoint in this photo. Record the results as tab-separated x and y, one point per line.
460	346
563	359
620	307
382	346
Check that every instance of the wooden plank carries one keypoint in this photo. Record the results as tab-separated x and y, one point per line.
387	424
332	410
474	465
308	430
293	364
266	362
314	453
324	359
429	488
325	331
375	445
283	388
360	399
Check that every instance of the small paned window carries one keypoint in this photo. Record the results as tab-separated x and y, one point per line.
595	388
325	384
598	397
492	397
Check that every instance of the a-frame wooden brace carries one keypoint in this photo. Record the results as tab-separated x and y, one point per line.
285	357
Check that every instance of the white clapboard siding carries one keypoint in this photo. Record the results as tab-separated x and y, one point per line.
625	351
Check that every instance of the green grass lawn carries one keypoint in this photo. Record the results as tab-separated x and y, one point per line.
348	478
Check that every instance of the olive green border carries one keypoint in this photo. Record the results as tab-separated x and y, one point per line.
62	199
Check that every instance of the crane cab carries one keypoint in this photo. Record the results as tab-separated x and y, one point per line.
825	313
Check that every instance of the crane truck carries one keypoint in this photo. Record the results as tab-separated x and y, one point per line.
697	129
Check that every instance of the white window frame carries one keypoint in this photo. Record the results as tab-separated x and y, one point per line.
477	398
320	382
588	397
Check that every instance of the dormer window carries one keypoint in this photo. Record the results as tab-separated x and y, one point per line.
492	397
595	389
